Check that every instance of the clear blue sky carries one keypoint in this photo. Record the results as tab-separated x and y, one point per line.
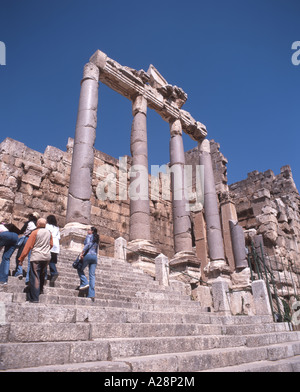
232	58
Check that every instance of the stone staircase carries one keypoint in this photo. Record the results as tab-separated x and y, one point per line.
134	325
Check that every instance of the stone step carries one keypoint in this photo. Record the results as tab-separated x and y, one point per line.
26	312
64	331
148	298
102	291
144	351
38	313
287	365
165	345
133	325
28	355
7	297
210	359
106	274
90	367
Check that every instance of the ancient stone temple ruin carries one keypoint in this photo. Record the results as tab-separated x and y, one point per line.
203	232
232	248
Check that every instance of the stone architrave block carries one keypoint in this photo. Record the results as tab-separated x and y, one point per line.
220	292
120	249
162	270
261	298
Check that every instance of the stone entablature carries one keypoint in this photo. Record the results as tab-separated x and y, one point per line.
164	98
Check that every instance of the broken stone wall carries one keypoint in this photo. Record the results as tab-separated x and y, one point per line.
32	181
269	204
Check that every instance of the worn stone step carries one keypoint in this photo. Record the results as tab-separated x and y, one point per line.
26	312
158	300
192	348
17	313
134	330
151	346
287	365
29	355
90	367
140	298
64	331
209	359
7	297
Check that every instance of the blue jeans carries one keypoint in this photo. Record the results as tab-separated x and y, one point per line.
9	241
21	243
91	261
36	280
28	268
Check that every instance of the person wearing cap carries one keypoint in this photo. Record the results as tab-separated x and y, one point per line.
39	243
9	240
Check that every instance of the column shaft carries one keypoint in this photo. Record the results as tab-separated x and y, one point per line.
211	209
79	205
139	184
181	213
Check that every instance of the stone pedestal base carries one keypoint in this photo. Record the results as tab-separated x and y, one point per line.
73	236
185	267
217	269
220	296
142	254
241	278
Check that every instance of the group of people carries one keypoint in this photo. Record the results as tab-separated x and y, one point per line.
39	239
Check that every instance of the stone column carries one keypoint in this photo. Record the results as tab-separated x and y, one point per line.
80	190
217	264
228	212
185	258
181	213
141	252
139	202
238	245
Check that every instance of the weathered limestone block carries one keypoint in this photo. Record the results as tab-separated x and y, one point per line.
241	303
203	295
6	193
120	250
241	278
162	270
221	299
261	298
32	178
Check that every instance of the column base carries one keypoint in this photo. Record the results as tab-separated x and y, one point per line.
185	267
142	254
217	269
73	236
241	278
